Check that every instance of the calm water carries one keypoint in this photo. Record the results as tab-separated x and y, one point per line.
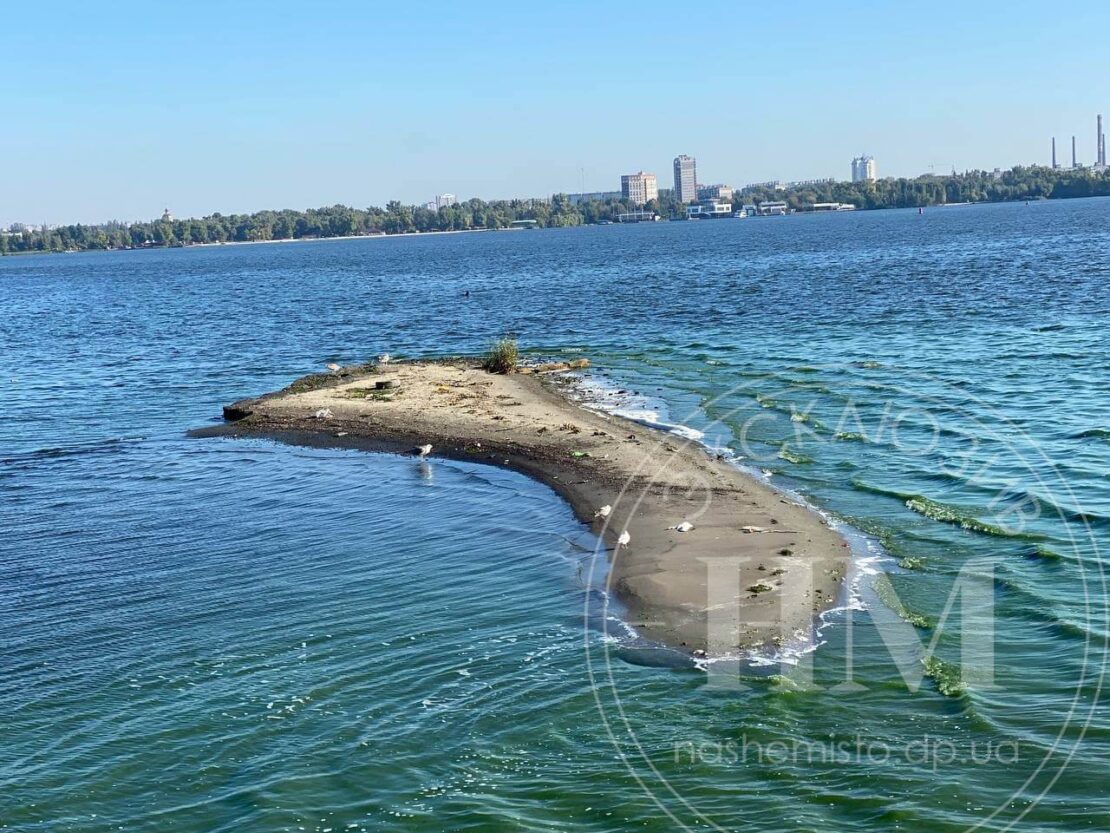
217	635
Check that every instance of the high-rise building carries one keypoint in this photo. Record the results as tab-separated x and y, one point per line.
445	200
685	178
864	169
639	188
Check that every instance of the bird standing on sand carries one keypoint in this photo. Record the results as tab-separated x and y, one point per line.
385	358
624	539
333	367
422	451
603	512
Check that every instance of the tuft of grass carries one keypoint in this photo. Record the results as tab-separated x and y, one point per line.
373	393
502	357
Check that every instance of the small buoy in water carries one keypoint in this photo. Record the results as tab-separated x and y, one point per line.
624	539
603	512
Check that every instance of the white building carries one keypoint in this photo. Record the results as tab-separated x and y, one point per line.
685	179
864	169
639	188
714	192
709	209
444	200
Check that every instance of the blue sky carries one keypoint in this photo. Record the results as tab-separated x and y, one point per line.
117	110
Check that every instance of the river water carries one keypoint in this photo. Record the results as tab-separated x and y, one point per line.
228	635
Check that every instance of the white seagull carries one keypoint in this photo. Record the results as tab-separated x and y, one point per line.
685	526
323	413
422	451
385	358
603	512
333	367
624	539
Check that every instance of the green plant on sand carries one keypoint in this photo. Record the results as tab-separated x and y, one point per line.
502	356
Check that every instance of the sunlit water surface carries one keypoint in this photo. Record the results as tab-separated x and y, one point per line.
219	635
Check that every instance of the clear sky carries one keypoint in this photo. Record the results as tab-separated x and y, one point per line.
116	110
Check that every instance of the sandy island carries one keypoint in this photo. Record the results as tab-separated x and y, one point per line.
790	563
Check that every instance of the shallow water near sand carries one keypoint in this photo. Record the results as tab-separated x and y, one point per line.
209	635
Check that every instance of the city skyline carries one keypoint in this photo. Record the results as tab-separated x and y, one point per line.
642	187
119	116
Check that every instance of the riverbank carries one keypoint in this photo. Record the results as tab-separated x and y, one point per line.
775	563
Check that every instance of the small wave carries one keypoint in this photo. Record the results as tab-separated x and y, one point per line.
868	365
793	457
887	595
1050	328
1092	434
879	490
650	419
951	515
942	512
107	446
850	437
599	395
1041	552
945	675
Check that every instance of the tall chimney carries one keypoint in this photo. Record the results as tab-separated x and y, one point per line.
1100	148
1074	159
1054	165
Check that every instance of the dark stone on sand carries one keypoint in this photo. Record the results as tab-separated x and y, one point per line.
239	410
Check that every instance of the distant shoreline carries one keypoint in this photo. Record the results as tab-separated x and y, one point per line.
220	245
436	233
318	239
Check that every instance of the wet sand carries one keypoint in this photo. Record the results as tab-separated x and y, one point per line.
753	571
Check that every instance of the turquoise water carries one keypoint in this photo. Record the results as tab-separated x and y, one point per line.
208	635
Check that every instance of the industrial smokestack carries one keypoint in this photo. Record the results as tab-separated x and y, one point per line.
1054	165
1074	159
1100	148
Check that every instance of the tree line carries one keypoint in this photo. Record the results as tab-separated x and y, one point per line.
334	221
1018	184
1022	183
